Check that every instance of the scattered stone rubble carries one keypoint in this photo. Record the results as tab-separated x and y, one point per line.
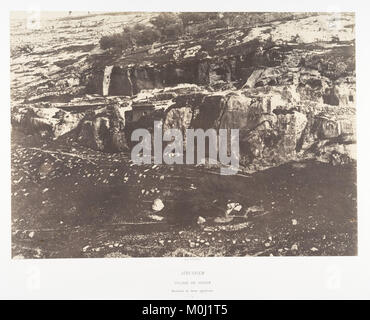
288	86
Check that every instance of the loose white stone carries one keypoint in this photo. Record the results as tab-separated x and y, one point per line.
201	220
157	205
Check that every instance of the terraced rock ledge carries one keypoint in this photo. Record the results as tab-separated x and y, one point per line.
286	81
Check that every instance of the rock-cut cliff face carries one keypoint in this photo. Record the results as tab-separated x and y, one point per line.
270	133
288	86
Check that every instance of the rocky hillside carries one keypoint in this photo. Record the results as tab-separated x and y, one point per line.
285	80
287	84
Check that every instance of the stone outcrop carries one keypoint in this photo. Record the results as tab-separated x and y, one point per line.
291	95
42	119
275	125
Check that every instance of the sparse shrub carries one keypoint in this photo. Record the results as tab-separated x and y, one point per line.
148	36
197	17
220	23
164	19
118	40
139	27
173	31
169	25
137	35
166	26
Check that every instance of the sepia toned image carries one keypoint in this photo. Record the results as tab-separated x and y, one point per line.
183	134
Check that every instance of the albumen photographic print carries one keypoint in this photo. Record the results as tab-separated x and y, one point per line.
182	134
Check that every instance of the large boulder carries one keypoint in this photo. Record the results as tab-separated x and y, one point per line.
53	120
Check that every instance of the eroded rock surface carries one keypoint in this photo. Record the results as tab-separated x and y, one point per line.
290	95
286	81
